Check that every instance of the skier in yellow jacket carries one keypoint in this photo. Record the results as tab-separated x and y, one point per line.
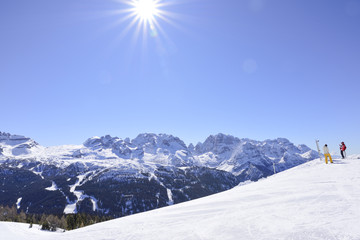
327	154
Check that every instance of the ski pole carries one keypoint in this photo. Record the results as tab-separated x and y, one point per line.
318	148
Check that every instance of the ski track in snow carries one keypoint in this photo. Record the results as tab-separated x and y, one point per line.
71	206
18	202
312	201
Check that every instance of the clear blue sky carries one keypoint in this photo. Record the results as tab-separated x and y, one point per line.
258	69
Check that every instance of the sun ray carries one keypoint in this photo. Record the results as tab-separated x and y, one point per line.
144	19
127	29
144	12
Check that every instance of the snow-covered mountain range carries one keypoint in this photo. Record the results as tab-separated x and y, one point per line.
118	176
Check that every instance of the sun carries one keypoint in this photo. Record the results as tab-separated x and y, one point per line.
145	17
146	10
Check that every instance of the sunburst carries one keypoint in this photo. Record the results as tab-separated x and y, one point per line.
145	15
146	10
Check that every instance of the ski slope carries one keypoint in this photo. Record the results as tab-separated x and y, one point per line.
311	201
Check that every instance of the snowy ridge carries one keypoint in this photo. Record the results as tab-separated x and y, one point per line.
221	151
16	145
310	201
232	154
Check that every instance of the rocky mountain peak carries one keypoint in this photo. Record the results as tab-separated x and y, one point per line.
151	140
217	143
18	145
101	142
12	140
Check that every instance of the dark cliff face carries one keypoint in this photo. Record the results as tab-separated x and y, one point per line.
101	194
31	189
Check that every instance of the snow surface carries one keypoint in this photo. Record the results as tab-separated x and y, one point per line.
18	202
310	201
20	231
53	187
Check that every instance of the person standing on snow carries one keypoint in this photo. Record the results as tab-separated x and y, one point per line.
342	149
327	154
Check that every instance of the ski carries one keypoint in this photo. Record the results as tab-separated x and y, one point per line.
318	148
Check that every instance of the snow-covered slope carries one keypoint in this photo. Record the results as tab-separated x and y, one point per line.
14	145
354	156
310	201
